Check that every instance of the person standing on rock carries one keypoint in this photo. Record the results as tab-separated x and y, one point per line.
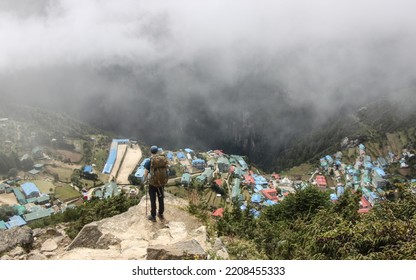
156	174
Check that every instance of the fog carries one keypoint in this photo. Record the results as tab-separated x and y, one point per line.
243	76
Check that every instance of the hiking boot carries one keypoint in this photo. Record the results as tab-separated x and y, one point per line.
151	218
161	217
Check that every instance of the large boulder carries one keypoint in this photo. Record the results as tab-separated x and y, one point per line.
190	249
18	236
87	237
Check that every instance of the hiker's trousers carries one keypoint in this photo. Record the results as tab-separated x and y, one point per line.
159	193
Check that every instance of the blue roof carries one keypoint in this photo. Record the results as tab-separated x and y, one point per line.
15	221
380	171
169	155
111	159
255	213
368	164
180	155
140	172
188	150
258	188
329	158
198	161
29	188
87	169
121	140
373	195
260	180
333	196
256	198
361	147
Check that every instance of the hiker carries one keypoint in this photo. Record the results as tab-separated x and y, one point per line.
158	169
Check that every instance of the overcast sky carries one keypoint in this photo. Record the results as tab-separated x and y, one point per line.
155	69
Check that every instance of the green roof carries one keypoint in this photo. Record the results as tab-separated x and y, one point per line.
223	160
34	171
3	225
19	196
37	215
20	209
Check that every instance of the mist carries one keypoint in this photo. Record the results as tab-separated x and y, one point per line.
244	76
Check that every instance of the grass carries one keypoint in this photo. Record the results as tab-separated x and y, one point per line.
212	199
303	169
64	174
100	158
65	192
177	191
44	186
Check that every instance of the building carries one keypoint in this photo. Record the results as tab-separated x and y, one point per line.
340	189
30	190
169	155
223	164
19	196
218	213
15	221
37	153
110	189
2	225
249	180
270	194
186	179
181	156
211	163
88	173
321	181
379	178
236	195
329	159
256	198
208	173
38	214
198	164
2	188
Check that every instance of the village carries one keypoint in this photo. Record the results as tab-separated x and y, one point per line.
223	179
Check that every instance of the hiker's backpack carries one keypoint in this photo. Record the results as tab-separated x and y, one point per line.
158	170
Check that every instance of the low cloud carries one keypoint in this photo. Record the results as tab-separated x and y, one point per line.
246	76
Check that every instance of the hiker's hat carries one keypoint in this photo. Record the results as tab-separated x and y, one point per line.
153	149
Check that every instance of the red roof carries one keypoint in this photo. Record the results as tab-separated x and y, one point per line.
364	203
219	152
218	182
270	194
320	179
218	213
232	168
249	179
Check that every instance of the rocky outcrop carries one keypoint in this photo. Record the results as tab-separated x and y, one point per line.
191	250
128	236
131	236
14	237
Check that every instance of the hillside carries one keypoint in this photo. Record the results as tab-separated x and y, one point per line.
384	126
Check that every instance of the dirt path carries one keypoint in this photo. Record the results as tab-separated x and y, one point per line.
121	149
131	160
8	199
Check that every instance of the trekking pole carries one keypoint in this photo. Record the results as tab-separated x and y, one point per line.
145	190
